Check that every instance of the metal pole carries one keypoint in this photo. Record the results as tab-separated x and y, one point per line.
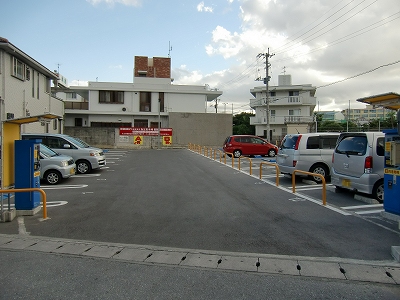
348	117
266	94
159	123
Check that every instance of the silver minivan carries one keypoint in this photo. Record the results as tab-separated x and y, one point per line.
86	157
310	152
358	163
55	167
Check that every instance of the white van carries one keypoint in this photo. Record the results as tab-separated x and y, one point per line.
310	152
358	163
86	157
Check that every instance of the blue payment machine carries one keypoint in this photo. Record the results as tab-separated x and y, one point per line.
391	203
27	173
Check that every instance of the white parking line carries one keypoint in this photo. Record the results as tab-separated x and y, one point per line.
366	212
362	206
61	186
87	175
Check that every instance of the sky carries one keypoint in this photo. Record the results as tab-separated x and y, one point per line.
348	49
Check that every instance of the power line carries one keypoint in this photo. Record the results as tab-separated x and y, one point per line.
307	40
363	73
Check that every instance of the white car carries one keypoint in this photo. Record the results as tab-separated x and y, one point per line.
54	167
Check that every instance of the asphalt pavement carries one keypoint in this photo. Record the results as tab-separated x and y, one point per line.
187	203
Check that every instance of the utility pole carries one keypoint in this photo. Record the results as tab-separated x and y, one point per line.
266	81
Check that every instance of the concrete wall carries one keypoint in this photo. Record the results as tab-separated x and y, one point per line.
201	129
94	136
196	128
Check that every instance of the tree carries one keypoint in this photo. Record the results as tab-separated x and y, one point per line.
241	124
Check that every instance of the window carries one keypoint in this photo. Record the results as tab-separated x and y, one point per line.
352	145
289	142
294	112
111	97
140	123
161	99
38	85
55	124
154	124
272	94
78	122
380	146
110	124
328	142
294	93
47	84
313	142
272	112
18	69
145	101
33	84
70	95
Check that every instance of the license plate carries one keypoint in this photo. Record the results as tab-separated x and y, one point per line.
346	182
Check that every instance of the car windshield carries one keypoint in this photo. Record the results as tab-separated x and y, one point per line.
352	145
78	142
47	151
289	142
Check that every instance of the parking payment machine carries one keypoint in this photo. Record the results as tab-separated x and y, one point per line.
392	169
27	173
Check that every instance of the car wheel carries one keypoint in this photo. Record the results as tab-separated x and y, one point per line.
271	152
378	191
52	177
319	169
83	167
237	153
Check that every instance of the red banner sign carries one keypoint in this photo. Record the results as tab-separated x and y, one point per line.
144	131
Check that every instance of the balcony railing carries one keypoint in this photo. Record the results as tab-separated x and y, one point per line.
76	105
299	119
275	120
288	100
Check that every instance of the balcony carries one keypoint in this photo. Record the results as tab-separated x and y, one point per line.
76	105
280	120
287	100
298	119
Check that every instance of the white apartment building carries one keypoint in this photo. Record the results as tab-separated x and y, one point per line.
25	90
291	108
143	103
366	114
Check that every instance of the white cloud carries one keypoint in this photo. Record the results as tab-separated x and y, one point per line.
79	83
112	2
315	40
202	7
119	67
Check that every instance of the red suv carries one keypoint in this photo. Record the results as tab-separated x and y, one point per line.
249	145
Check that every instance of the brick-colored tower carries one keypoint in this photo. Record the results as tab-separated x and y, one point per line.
156	67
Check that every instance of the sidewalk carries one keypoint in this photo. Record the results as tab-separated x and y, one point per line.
387	272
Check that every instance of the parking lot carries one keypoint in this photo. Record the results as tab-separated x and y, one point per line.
179	198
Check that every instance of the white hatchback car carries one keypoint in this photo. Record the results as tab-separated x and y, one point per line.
358	163
54	167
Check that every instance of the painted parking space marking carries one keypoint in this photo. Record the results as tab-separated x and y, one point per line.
60	187
365	209
48	204
87	175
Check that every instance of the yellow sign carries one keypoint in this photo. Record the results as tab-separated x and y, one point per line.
392	171
167	140
137	140
387	146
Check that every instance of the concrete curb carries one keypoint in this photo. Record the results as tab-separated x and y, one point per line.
387	272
